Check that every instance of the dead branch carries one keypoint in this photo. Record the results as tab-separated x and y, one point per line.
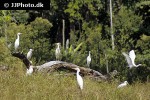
23	58
58	65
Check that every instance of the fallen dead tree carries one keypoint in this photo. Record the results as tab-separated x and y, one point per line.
52	66
23	58
55	65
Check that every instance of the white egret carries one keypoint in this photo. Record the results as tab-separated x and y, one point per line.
29	70
67	43
79	78
130	59
57	52
29	54
17	41
89	59
123	84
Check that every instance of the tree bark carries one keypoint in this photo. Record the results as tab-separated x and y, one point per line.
111	26
52	66
63	33
23	58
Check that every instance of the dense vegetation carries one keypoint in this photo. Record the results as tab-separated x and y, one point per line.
87	26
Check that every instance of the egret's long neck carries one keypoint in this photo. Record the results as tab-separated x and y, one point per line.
31	51
89	54
78	72
31	66
133	63
58	46
18	37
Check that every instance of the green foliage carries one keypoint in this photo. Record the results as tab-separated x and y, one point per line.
143	44
34	36
6	58
4	52
19	16
73	54
145	38
41	26
13	29
38	31
142	8
126	24
5	19
77	48
75	9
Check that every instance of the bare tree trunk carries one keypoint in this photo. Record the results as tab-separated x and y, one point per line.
107	68
23	58
111	26
5	26
63	33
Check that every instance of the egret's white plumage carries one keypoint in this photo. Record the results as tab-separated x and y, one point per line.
79	78
123	84
29	54
57	52
130	59
67	43
29	70
17	41
89	59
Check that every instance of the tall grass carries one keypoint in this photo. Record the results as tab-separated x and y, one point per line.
14	85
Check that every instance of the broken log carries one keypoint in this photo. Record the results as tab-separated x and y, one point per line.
56	65
52	66
23	58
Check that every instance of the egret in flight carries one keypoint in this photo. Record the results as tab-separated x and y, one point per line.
29	70
130	59
57	52
123	84
17	41
79	78
89	59
29	54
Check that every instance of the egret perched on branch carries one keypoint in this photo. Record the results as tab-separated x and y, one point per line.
29	54
29	70
79	78
67	43
89	59
17	42
130	59
57	52
122	84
